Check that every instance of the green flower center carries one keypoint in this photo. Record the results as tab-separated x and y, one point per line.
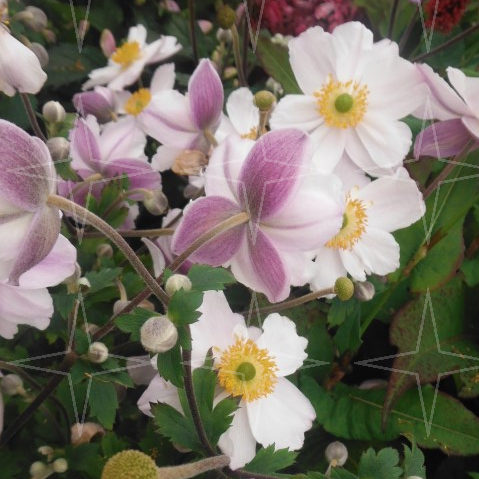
246	371
344	103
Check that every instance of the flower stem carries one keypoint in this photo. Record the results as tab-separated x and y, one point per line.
225	225
148	233
237	55
392	18
71	207
32	117
407	33
447	44
185	471
194	43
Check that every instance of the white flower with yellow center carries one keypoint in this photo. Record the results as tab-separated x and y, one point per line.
127	62
251	365
364	244
354	94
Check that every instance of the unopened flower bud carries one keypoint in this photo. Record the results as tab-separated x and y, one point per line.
38	469
49	35
83	433
336	454
344	288
156	202
205	26
158	334
119	305
97	352
107	43
224	36
59	148
176	282
84	285
364	291
189	163
53	112
145	304
45	450
225	16
60	465
12	385
229	73
373	384
41	53
264	100
104	250
137	463
33	17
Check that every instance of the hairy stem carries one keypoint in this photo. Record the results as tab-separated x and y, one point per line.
32	118
185	471
71	207
237	55
148	233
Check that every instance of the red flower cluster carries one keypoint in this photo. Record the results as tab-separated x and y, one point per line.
448	15
291	17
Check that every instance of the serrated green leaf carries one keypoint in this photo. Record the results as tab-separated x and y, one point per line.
207	278
132	322
86	459
111	444
82	342
64	303
413	464
348	335
103	402
102	279
379	465
170	366
268	460
470	268
183	306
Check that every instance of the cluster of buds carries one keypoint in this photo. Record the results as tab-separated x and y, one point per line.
42	470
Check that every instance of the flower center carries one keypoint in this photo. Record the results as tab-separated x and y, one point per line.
127	54
246	370
342	105
138	101
251	135
354	225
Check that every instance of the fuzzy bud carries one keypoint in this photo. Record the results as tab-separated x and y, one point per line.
84	285
60	465
59	148
364	291
104	250
84	433
41	53
264	100
137	463
107	43
38	469
97	352
49	35
336	454
176	282
12	385
53	112
45	450
158	334
119	305
229	73
344	288
225	16
33	17
224	36
189	163
156	202
145	304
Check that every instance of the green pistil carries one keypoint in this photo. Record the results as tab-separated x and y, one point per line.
246	371
344	103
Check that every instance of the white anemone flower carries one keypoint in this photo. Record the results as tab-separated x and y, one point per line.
354	94
252	366
365	245
20	69
127	62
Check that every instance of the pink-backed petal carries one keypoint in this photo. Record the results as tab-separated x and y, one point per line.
442	139
140	174
58	265
26	166
270	173
39	241
201	216
259	266
205	92
84	145
95	103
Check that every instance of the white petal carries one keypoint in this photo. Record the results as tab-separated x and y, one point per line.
350	174
283	343
238	442
214	327
242	112
467	87
395	202
137	34
281	418
296	111
165	157
102	76
353	264
472	124
122	139
128	75
159	391
329	144
163	78
328	268
156	255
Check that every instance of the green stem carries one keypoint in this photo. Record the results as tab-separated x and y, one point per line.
392	18
237	55
32	117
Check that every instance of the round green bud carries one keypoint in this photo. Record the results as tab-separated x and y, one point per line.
264	100
344	288
130	464
225	16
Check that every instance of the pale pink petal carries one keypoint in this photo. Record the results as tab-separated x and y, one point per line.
84	146
163	78
328	268
165	157
242	112
296	111
122	139
472	124
140	174
159	391
157	256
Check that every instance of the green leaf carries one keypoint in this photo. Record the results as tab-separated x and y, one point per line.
111	444
348	335
341	310
103	402
413	464
440	263
82	341
352	413
102	279
470	268
183	306
424	328
274	59
86	459
269	460
379	465
178	428
206	278
132	322
170	366
474	475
